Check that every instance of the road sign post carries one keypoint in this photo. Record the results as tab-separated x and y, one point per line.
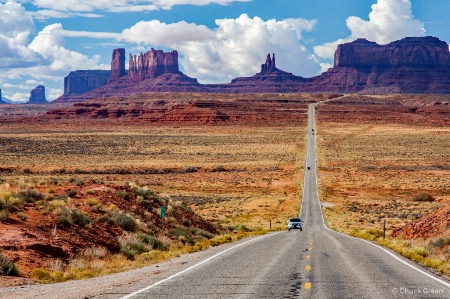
163	215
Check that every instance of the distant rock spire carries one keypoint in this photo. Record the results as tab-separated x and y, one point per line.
37	95
269	66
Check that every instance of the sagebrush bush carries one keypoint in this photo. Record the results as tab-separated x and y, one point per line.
80	218
440	243
182	235
71	193
423	196
30	195
4	215
148	194
152	241
67	217
125	221
124	195
7	267
22	216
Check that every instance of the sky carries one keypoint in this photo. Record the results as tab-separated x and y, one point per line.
41	41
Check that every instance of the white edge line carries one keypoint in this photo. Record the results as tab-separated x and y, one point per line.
402	260
191	267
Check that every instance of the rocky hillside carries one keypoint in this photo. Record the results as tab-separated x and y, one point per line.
60	220
435	224
195	108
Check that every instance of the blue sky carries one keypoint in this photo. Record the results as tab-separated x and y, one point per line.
41	41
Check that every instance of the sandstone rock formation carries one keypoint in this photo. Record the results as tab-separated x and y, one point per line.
154	71
82	81
37	96
118	63
409	52
410	65
153	64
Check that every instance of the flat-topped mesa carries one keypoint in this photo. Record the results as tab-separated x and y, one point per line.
414	52
269	66
153	64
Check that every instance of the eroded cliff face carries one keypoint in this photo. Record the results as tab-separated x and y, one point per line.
153	64
414	52
410	65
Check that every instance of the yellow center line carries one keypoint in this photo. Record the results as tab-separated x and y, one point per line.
307	285
308	256
309	249
308	268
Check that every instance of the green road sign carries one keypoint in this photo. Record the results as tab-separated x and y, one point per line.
163	211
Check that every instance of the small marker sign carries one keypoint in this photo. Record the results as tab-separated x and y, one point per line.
163	211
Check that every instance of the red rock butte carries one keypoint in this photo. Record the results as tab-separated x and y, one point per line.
409	65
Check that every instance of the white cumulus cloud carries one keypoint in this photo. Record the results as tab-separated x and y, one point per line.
237	47
86	8
15	27
157	33
50	44
389	20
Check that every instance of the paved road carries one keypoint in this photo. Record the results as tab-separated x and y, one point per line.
313	263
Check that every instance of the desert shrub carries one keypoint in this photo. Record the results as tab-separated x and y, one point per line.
4	215
7	267
67	217
64	217
2	204
440	243
125	221
219	168
421	251
93	253
30	195
148	194
153	241
147	204
77	181
62	197
182	205
186	222
89	192
40	274
423	196
131	245
124	195
79	217
57	203
22	216
92	202
182	235
71	193
202	233
244	228
191	169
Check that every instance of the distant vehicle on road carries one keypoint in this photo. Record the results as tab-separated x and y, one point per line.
295	223
308	168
